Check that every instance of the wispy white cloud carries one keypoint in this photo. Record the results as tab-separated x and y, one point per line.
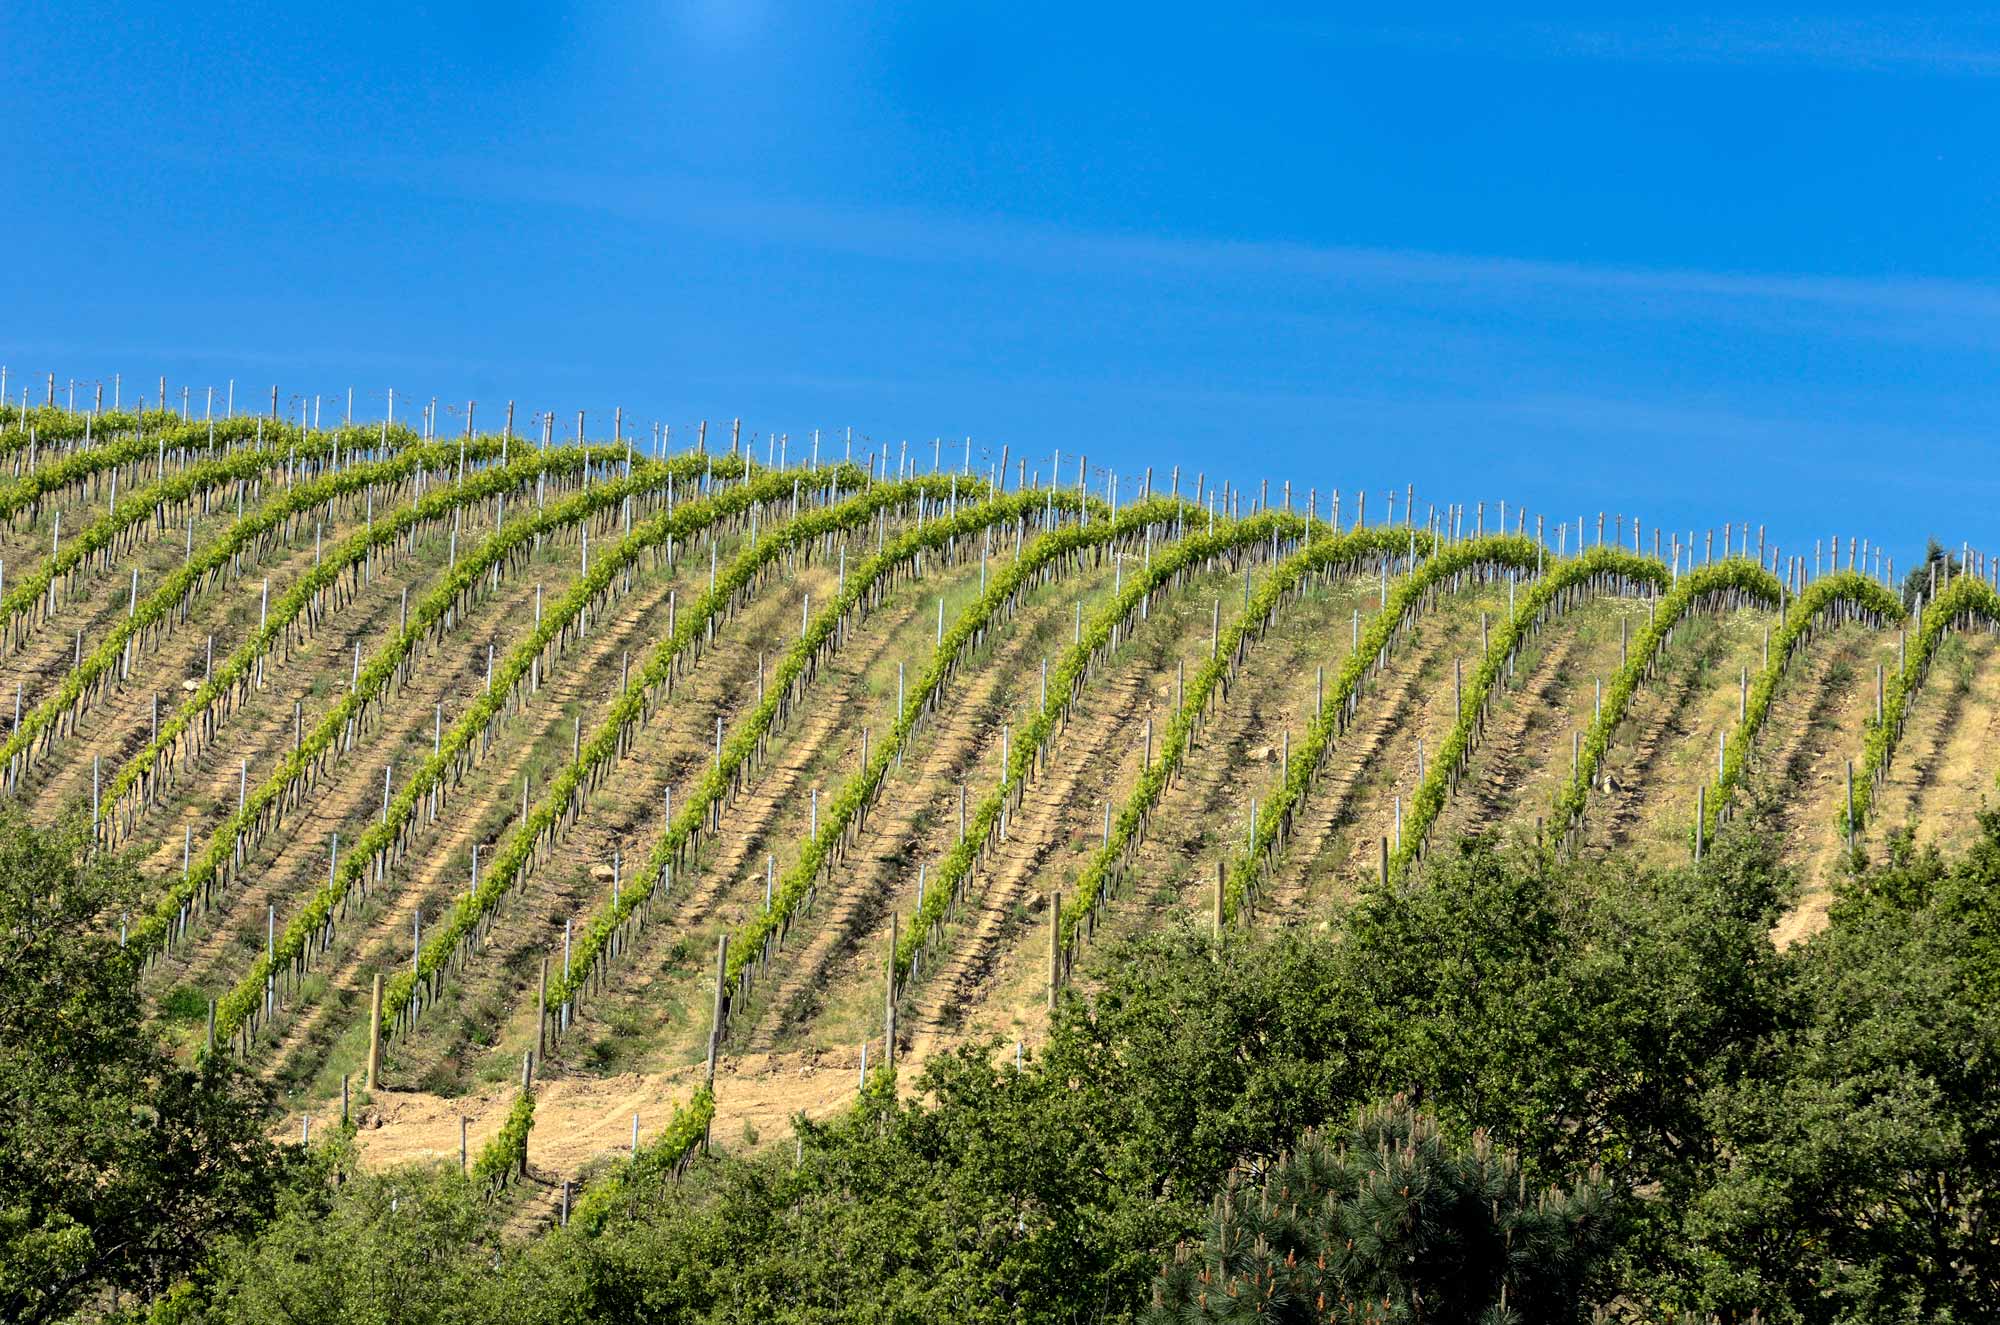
1886	307
914	237
1674	432
1882	45
1961	46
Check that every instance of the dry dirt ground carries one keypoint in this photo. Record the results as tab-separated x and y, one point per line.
582	1121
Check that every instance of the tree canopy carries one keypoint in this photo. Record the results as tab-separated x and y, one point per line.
119	1168
1594	1087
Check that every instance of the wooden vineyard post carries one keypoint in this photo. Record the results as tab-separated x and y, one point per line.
1385	861
715	1014
375	1033
542	1011
527	1081
1055	944
889	995
1221	869
1700	819
463	1123
1850	805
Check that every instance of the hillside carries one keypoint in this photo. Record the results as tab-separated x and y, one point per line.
623	757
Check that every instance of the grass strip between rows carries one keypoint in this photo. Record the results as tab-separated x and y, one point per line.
1440	776
1065	687
1842	589
238	668
1435	563
243	999
381	669
1967	598
1091	884
145	503
1732	574
742	743
861	789
514	855
1354	546
162	601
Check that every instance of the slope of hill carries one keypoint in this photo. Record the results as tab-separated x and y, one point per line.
489	719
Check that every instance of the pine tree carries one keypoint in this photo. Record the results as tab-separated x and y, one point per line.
1391	1223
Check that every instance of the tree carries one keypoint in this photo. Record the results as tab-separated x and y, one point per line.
1392	1223
1863	1172
414	1244
118	1167
1575	1010
1808	1135
1929	574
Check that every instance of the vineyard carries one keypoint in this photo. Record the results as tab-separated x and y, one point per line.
573	800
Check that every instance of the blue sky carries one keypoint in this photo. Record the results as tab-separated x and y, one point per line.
1697	265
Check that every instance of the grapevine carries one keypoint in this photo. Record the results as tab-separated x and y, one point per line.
1353	548
153	614
819	851
661	1159
532	834
1965	599
1734	577
1403	602
106	534
1601	565
1843	593
507	1152
237	673
822	633
456	744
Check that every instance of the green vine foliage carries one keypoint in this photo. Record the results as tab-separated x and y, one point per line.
513	856
53	422
741	744
58	426
141	505
158	606
658	1162
1599	564
241	663
1842	588
1065	683
1511	551
240	666
1733	574
1322	552
381	836
507	1153
25	491
860	790
1966	599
